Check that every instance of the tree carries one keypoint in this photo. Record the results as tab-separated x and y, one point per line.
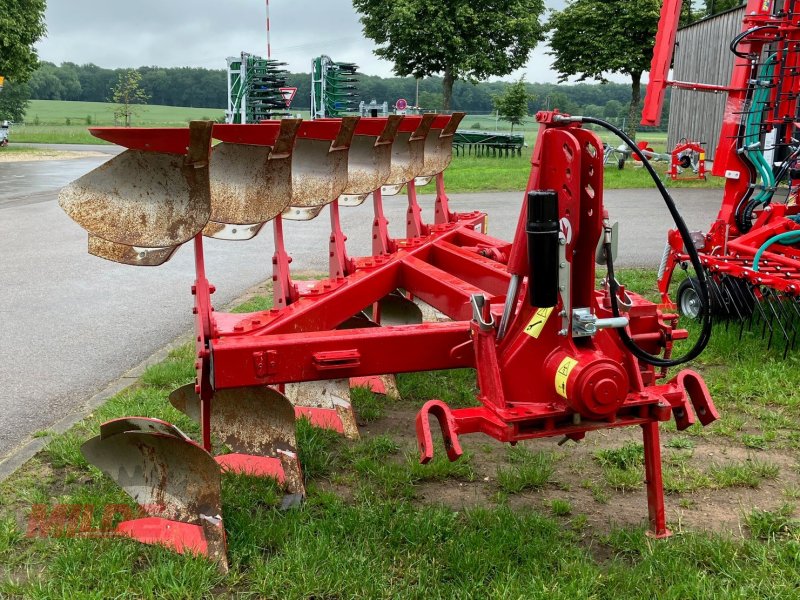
128	93
21	25
14	101
717	6
461	39
512	105
591	38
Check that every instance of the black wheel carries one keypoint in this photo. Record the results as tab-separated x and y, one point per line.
621	164
690	304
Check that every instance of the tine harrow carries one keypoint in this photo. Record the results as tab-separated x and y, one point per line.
750	253
513	316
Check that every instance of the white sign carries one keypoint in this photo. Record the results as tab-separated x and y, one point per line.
288	94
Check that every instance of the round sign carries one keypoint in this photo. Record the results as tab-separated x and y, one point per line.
401	104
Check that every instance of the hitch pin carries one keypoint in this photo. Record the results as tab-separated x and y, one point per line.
480	312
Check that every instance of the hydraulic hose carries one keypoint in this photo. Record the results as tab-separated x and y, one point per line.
705	333
790	237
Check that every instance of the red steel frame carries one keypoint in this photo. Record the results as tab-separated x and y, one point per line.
519	377
541	377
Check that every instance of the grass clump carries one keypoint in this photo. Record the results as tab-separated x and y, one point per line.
561	508
368	406
455	387
770	525
748	473
529	470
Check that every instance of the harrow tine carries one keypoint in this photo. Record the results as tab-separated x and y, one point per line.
251	177
725	286
142	204
788	318
173	480
258	425
776	316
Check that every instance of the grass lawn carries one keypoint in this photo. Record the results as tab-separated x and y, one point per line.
533	521
507	174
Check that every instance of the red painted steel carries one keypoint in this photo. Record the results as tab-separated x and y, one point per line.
543	379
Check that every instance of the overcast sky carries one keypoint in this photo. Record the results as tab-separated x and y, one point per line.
201	33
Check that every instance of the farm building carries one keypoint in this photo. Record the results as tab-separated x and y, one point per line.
702	55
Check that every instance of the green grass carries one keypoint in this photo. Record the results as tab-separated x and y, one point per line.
56	112
529	470
365	531
508	174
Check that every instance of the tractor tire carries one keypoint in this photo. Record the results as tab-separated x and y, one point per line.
688	299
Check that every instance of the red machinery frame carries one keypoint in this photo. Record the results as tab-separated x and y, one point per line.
546	367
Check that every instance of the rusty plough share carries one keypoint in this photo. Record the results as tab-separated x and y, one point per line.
750	254
546	345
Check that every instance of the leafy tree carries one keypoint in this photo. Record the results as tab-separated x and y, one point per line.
128	93
591	38
613	109
461	39
21	25
512	105
14	101
717	6
430	100
45	83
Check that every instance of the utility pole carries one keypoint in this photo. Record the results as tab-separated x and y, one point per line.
269	49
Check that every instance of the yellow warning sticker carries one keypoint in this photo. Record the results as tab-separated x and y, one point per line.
562	374
534	328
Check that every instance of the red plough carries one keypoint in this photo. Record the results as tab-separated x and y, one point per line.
550	350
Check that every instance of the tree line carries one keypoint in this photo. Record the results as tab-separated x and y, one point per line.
207	88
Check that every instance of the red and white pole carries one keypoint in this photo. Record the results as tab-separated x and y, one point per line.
269	50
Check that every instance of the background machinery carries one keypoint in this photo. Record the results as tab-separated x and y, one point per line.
254	89
750	257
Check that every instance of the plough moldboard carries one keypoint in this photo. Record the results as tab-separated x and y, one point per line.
750	255
547	347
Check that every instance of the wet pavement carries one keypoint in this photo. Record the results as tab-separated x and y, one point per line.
72	322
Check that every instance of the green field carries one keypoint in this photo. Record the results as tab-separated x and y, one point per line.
533	521
55	112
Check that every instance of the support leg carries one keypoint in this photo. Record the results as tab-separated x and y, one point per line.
654	482
442	212
202	291
381	242
339	263
415	228
283	290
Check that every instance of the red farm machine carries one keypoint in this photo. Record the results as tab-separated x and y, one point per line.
555	355
750	254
